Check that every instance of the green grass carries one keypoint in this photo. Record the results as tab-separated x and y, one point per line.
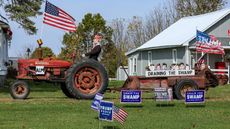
48	108
114	83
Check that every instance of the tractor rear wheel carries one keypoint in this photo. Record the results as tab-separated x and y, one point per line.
65	91
86	78
19	90
183	86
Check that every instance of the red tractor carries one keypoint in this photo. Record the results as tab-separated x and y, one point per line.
78	80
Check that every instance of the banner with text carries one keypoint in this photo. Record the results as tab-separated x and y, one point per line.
131	96
194	96
163	73
106	111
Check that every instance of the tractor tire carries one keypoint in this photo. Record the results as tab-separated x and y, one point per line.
65	91
85	79
19	90
183	86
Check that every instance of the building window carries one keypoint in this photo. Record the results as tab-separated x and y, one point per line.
131	66
174	56
135	66
149	58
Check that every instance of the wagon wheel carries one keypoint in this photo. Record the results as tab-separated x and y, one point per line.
86	78
19	90
183	86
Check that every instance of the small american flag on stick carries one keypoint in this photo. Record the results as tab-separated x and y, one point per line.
56	17
119	114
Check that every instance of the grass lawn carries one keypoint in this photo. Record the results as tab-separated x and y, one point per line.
48	108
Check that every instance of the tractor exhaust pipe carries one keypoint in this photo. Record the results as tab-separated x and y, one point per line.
40	52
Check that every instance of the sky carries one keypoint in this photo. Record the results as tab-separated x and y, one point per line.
52	37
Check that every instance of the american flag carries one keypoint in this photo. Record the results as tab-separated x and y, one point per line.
208	43
119	114
56	17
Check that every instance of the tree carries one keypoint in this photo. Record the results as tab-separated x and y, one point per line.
110	59
81	41
139	31
155	23
119	38
46	52
135	32
71	45
21	11
90	25
196	7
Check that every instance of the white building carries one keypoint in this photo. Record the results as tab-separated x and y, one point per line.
5	37
176	43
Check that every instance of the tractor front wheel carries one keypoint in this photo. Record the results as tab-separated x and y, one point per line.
19	90
86	78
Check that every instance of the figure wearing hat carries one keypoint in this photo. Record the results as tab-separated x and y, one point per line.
94	53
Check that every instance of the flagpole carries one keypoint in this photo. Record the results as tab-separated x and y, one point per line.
41	32
196	50
42	26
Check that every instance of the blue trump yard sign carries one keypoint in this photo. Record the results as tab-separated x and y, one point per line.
106	111
195	96
131	96
96	101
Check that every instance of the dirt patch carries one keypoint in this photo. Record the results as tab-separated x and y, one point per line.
6	100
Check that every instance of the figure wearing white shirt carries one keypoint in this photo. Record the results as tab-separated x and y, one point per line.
152	67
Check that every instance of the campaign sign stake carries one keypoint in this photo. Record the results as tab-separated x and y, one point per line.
194	96
106	111
131	96
96	101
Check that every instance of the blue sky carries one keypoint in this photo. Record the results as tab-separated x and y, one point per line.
52	37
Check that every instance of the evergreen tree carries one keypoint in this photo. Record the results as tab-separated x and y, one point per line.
81	41
21	11
46	52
